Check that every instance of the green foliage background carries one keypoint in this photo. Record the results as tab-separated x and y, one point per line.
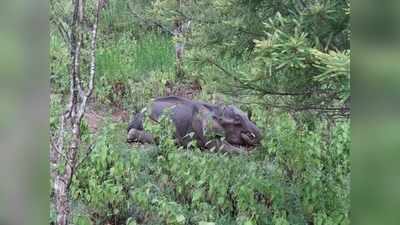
285	61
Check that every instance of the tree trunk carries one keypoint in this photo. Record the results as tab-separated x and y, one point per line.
64	160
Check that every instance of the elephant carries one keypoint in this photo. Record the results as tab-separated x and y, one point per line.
225	128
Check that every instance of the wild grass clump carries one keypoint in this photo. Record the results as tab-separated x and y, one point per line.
127	58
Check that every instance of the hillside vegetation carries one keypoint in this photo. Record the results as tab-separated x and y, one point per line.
287	62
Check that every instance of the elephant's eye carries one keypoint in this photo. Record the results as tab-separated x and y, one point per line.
237	117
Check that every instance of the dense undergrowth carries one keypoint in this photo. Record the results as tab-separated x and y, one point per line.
296	177
299	175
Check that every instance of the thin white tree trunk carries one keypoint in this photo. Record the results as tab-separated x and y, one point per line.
67	157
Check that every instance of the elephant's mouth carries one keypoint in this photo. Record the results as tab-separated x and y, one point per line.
249	138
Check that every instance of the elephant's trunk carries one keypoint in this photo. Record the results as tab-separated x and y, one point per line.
253	136
135	135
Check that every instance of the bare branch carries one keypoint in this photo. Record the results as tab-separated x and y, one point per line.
93	46
90	149
93	50
60	141
78	81
57	150
76	43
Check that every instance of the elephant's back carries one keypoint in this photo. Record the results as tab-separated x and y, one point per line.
179	107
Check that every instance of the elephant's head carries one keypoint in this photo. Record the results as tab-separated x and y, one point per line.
238	128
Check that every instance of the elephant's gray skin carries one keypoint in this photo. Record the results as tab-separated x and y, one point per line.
207	122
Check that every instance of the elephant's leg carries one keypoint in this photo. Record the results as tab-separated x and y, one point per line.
197	125
135	135
223	146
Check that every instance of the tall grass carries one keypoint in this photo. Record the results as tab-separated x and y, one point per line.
154	53
129	58
133	61
117	18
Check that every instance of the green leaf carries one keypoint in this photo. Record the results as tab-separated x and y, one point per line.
196	195
180	219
